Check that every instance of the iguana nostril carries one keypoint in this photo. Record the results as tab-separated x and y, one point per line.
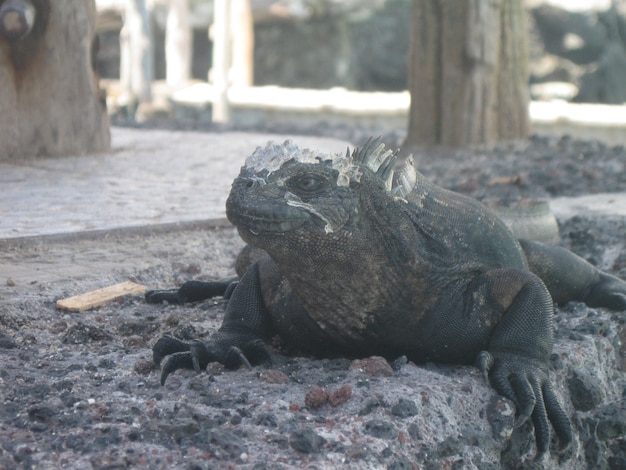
249	184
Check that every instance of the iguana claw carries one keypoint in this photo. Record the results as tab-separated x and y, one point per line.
179	360
236	357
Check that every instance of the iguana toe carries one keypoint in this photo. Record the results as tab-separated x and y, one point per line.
549	411
165	346
526	399
560	422
235	358
500	381
195	291
200	357
540	419
158	296
252	352
179	360
230	289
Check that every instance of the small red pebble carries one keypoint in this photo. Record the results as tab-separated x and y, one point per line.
135	342
215	368
376	366
143	367
273	376
295	407
316	397
341	395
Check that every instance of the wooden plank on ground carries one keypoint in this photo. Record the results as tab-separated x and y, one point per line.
99	297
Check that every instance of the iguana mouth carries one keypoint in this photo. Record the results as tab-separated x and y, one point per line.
258	221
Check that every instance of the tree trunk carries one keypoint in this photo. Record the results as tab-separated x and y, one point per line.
468	72
50	99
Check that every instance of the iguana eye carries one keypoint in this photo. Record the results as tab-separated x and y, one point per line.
308	184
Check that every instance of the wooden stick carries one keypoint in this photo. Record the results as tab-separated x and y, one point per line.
99	297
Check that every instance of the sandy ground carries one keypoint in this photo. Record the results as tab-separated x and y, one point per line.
79	390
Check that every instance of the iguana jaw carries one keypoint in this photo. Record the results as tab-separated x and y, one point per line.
257	219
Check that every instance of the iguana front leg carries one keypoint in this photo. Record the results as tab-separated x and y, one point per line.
517	355
239	341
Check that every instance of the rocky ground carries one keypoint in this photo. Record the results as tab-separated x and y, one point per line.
79	390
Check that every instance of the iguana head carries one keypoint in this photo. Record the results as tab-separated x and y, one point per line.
284	191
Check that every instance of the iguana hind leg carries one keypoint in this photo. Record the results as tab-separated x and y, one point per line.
569	277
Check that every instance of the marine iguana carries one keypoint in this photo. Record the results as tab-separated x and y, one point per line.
364	260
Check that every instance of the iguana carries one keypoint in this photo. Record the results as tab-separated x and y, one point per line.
365	260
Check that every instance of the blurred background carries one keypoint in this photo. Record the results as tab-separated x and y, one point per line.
576	49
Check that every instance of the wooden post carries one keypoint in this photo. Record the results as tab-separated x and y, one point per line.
242	71
221	59
50	99
136	61
178	43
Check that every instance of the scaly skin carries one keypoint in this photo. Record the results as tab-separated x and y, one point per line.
362	261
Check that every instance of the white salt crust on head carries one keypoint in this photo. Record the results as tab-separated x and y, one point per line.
273	156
